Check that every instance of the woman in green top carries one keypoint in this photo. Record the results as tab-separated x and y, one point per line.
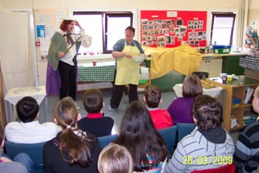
62	57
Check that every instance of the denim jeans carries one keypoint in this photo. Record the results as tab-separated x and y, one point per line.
24	159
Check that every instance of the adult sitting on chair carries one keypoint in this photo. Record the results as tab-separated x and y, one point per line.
181	108
209	145
29	130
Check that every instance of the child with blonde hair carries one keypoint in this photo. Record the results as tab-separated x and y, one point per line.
115	158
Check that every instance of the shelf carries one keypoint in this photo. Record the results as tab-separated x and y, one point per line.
247	105
237	129
241	106
235	91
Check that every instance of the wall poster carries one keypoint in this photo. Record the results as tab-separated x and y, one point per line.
168	28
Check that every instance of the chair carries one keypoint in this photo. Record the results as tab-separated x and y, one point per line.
169	136
229	168
184	129
105	140
35	151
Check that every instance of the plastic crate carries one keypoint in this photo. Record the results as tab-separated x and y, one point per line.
221	49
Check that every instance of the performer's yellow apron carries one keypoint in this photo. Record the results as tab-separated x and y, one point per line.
127	68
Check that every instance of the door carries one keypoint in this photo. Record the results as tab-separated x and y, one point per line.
17	50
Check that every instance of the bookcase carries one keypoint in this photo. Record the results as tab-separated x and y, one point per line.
233	99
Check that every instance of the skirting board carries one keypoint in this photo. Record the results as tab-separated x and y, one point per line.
99	85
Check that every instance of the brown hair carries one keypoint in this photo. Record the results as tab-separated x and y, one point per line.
131	29
63	26
76	146
152	96
207	111
93	101
192	86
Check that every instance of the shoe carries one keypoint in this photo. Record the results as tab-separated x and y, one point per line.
111	109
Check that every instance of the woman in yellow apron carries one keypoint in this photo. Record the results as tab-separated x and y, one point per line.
127	72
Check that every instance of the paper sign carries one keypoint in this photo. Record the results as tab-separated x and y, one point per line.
41	31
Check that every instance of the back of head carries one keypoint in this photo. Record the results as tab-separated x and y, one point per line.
66	113
192	86
207	111
72	140
93	101
152	96
136	121
27	109
115	158
139	136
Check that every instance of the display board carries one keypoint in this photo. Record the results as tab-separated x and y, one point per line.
168	28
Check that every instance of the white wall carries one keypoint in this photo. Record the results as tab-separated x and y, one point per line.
118	4
253	14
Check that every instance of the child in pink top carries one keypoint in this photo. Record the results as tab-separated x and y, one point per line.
160	117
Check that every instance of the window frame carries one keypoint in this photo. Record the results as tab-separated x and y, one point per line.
223	14
105	15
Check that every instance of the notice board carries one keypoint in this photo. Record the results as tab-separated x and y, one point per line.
168	28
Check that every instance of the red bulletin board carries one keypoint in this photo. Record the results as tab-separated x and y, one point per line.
168	28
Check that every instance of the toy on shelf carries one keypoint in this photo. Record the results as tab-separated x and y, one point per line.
251	44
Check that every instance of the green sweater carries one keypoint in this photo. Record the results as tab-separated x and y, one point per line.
58	44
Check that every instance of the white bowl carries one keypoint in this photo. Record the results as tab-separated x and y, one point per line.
138	59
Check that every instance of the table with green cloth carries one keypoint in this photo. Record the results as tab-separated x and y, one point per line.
102	72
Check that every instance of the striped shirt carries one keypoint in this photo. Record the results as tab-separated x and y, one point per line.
246	156
195	152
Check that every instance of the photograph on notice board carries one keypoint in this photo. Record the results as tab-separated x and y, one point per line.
179	22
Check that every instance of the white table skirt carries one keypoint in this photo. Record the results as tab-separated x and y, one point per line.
15	94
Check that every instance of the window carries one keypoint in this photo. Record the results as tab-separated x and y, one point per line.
105	28
222	28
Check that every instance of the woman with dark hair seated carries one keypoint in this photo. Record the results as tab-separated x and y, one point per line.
139	136
181	108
